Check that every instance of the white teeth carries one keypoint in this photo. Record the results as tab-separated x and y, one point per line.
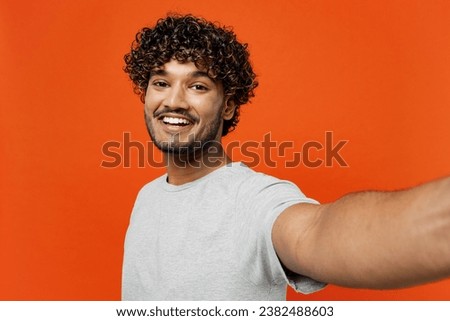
175	121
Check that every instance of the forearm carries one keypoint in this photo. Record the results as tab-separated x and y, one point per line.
386	239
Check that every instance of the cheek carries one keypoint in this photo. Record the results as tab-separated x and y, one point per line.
150	104
153	98
210	108
148	112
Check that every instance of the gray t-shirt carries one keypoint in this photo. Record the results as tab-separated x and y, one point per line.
209	239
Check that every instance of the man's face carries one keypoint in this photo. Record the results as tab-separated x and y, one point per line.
184	108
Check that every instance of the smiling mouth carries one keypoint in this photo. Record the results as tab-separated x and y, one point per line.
175	121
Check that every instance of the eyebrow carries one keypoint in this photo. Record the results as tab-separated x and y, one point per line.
194	74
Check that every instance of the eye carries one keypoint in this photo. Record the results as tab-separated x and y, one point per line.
199	87
160	83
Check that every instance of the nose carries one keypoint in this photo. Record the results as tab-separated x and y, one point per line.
176	98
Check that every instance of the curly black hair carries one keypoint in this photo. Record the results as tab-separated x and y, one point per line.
187	38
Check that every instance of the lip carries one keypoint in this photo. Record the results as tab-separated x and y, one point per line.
175	115
174	129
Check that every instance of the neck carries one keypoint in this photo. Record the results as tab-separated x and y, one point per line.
182	169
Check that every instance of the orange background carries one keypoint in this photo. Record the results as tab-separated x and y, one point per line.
374	73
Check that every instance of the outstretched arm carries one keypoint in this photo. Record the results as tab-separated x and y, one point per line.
370	239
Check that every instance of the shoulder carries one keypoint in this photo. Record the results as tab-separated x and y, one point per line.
249	176
263	185
152	186
257	190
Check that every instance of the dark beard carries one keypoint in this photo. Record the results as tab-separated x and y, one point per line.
194	146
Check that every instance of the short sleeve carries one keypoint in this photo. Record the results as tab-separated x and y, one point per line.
270	197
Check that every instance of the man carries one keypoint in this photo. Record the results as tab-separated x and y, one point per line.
211	229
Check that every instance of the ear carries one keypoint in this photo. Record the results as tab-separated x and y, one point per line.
228	110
